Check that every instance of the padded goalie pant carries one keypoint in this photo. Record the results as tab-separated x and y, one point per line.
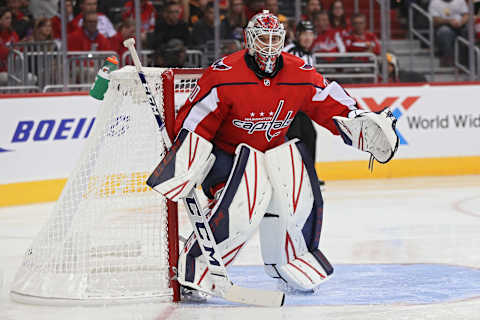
234	215
290	231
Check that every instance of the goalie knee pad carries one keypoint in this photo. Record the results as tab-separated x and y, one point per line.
233	219
290	230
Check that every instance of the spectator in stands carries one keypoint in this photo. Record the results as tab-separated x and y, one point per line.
148	16
125	30
312	7
43	8
7	38
184	9
169	26
328	40
37	64
449	18
272	6
197	10
338	21
300	47
42	31
173	54
360	40
88	37
396	74
57	22
204	29
235	21
105	27
22	20
252	7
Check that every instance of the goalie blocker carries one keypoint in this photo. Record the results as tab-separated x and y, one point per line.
290	221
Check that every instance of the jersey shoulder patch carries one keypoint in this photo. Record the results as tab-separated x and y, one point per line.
306	67
228	62
220	65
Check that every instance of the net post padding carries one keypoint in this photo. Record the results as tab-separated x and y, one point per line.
108	239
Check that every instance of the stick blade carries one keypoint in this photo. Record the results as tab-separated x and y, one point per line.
263	298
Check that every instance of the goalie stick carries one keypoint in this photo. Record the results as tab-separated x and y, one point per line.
224	287
130	44
216	268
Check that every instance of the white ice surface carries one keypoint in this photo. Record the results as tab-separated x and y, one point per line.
414	220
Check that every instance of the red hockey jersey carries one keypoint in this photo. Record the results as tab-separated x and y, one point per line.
355	43
231	105
148	14
328	41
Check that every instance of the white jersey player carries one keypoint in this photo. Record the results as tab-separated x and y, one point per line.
237	118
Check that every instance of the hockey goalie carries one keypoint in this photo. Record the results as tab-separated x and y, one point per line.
232	141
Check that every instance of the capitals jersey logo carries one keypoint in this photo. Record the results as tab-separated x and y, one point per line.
267	124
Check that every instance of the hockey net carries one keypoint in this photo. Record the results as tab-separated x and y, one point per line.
110	238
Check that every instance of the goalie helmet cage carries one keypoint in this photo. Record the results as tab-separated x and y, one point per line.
110	238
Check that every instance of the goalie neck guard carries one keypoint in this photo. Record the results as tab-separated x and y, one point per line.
265	37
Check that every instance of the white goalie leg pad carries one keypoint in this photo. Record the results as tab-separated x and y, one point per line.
370	132
290	230
233	219
184	165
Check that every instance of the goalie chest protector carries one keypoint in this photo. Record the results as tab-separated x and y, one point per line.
231	105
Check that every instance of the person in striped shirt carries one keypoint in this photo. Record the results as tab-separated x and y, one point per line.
300	47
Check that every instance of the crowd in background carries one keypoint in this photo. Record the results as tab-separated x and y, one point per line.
170	27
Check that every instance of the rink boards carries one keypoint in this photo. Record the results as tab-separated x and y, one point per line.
41	137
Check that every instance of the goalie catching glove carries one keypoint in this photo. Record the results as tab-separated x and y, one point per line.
370	132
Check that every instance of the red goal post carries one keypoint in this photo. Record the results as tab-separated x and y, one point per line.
181	87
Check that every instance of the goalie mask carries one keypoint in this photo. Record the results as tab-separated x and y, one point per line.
265	38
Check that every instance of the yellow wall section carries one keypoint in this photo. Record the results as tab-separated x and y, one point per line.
31	192
49	190
346	170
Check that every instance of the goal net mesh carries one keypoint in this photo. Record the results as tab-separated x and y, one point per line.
106	238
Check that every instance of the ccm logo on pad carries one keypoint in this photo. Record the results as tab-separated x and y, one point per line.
205	240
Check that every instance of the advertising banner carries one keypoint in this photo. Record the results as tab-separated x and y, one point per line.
42	137
433	121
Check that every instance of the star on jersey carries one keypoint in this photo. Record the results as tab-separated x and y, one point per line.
268	125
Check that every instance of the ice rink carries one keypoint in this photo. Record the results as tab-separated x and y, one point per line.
402	249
